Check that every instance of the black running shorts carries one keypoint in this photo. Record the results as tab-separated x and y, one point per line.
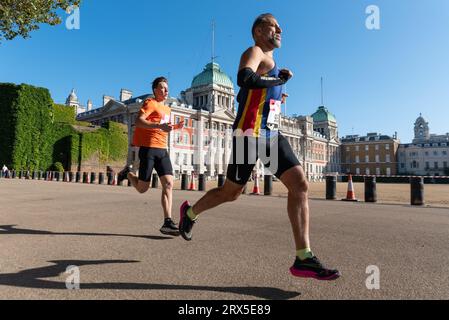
246	150
156	158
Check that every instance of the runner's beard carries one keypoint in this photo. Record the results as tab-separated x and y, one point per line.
276	42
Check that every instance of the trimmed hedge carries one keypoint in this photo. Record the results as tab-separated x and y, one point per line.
25	125
35	133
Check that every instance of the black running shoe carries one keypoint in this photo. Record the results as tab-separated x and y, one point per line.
169	228
185	223
122	175
312	268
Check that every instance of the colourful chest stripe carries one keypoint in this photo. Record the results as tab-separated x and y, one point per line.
252	114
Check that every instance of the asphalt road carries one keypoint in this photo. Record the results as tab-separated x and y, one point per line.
241	250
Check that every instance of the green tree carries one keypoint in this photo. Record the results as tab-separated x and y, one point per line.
20	17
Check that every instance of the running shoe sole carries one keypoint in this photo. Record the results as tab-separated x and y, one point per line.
311	274
182	213
169	232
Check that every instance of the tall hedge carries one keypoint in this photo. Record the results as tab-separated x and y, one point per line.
35	133
25	125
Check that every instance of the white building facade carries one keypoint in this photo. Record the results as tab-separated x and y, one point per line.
208	110
427	155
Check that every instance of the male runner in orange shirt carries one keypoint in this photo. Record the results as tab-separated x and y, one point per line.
152	129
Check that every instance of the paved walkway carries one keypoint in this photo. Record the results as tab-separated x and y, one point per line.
241	250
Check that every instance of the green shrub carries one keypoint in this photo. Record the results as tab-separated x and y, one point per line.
58	167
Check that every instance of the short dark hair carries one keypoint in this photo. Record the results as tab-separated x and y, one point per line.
263	18
157	81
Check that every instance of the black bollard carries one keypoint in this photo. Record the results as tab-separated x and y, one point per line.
71	176
27	175
268	185
221	180
93	177
129	183
13	174
417	191
39	175
78	177
85	177
184	181
101	178
331	188
34	177
370	189
202	182
65	176
20	174
110	178
155	181
58	176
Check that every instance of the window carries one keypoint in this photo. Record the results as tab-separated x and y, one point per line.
388	171
357	148
186	122
427	165
445	164
387	158
366	148
357	170
177	138
444	153
435	165
427	153
177	158
185	139
366	158
378	171
193	159
435	153
357	159
367	171
185	159
192	142
377	147
402	165
387	147
177	119
377	158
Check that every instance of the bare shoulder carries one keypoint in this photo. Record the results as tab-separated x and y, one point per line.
253	51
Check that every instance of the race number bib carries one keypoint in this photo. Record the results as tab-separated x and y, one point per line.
274	115
165	119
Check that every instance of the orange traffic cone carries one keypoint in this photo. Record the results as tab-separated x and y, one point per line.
192	183
350	196
256	189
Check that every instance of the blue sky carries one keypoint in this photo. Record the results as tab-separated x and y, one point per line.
374	80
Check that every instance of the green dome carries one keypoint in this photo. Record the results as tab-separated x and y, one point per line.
212	75
323	115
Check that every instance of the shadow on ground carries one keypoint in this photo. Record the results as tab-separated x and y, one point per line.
35	278
11	230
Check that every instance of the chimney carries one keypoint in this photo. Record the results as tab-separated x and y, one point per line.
106	99
125	95
89	105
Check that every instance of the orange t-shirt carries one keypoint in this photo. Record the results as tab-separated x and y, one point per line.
152	138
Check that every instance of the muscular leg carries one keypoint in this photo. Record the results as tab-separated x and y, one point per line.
140	186
298	205
167	195
230	191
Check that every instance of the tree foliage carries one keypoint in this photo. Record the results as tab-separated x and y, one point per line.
20	17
